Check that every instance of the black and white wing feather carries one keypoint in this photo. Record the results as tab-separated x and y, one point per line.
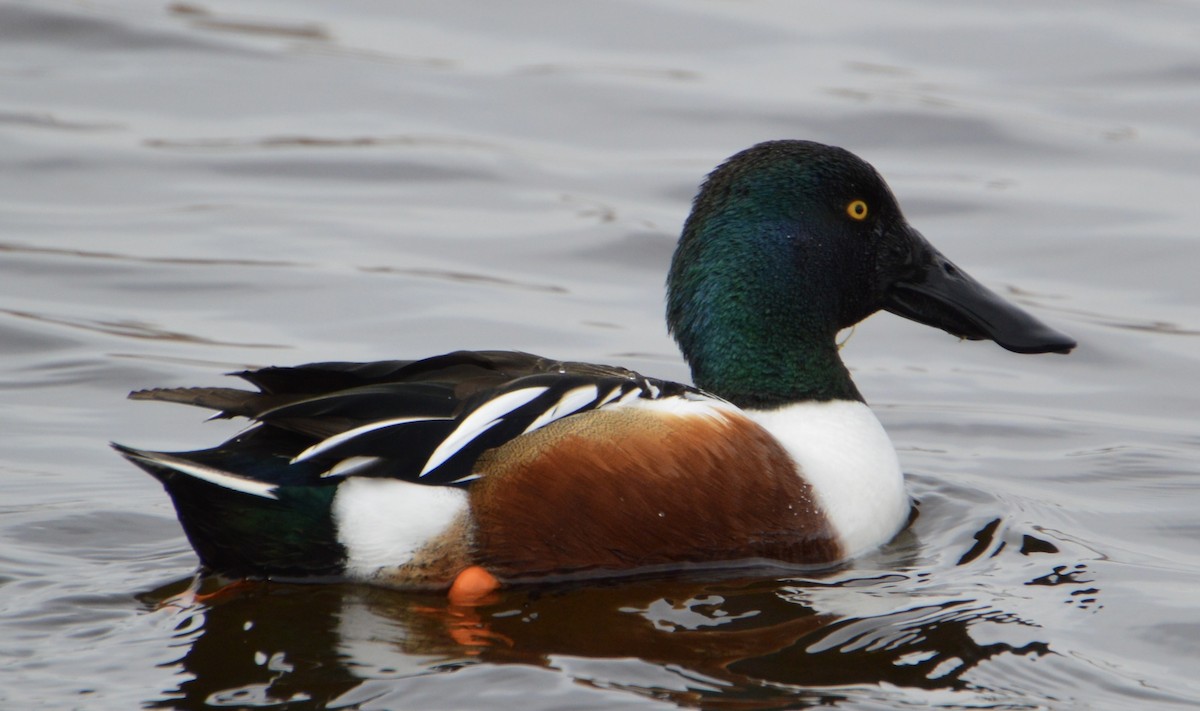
425	421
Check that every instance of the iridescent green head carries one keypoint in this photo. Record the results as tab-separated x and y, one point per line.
789	242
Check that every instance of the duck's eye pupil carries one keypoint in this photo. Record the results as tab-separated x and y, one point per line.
857	209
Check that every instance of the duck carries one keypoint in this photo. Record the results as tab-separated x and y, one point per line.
473	470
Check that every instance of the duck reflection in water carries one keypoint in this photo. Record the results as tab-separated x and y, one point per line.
778	642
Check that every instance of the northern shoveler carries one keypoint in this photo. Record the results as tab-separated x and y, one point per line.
476	468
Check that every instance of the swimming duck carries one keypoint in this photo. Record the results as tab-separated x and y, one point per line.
470	470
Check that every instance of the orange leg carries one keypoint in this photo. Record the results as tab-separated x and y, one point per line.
473	586
192	597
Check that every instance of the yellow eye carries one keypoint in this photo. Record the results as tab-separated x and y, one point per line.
857	210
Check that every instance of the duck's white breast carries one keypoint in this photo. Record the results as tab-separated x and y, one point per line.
848	460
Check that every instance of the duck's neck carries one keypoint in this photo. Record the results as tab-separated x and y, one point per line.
766	370
754	330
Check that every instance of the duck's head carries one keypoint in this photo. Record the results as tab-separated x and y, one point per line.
789	242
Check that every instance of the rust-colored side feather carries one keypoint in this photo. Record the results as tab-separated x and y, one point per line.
623	489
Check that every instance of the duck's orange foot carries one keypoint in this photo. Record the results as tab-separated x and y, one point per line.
192	596
233	589
473	586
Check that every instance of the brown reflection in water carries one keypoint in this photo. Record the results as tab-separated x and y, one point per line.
138	259
461	277
43	119
205	19
255	143
753	642
262	645
130	329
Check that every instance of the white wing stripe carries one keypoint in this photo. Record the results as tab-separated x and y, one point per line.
631	396
570	402
609	397
483	418
213	475
349	466
329	443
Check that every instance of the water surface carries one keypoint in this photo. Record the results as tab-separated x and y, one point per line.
189	189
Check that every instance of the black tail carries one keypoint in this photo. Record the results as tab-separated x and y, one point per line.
243	526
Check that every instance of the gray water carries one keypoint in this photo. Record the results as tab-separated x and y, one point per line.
187	189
